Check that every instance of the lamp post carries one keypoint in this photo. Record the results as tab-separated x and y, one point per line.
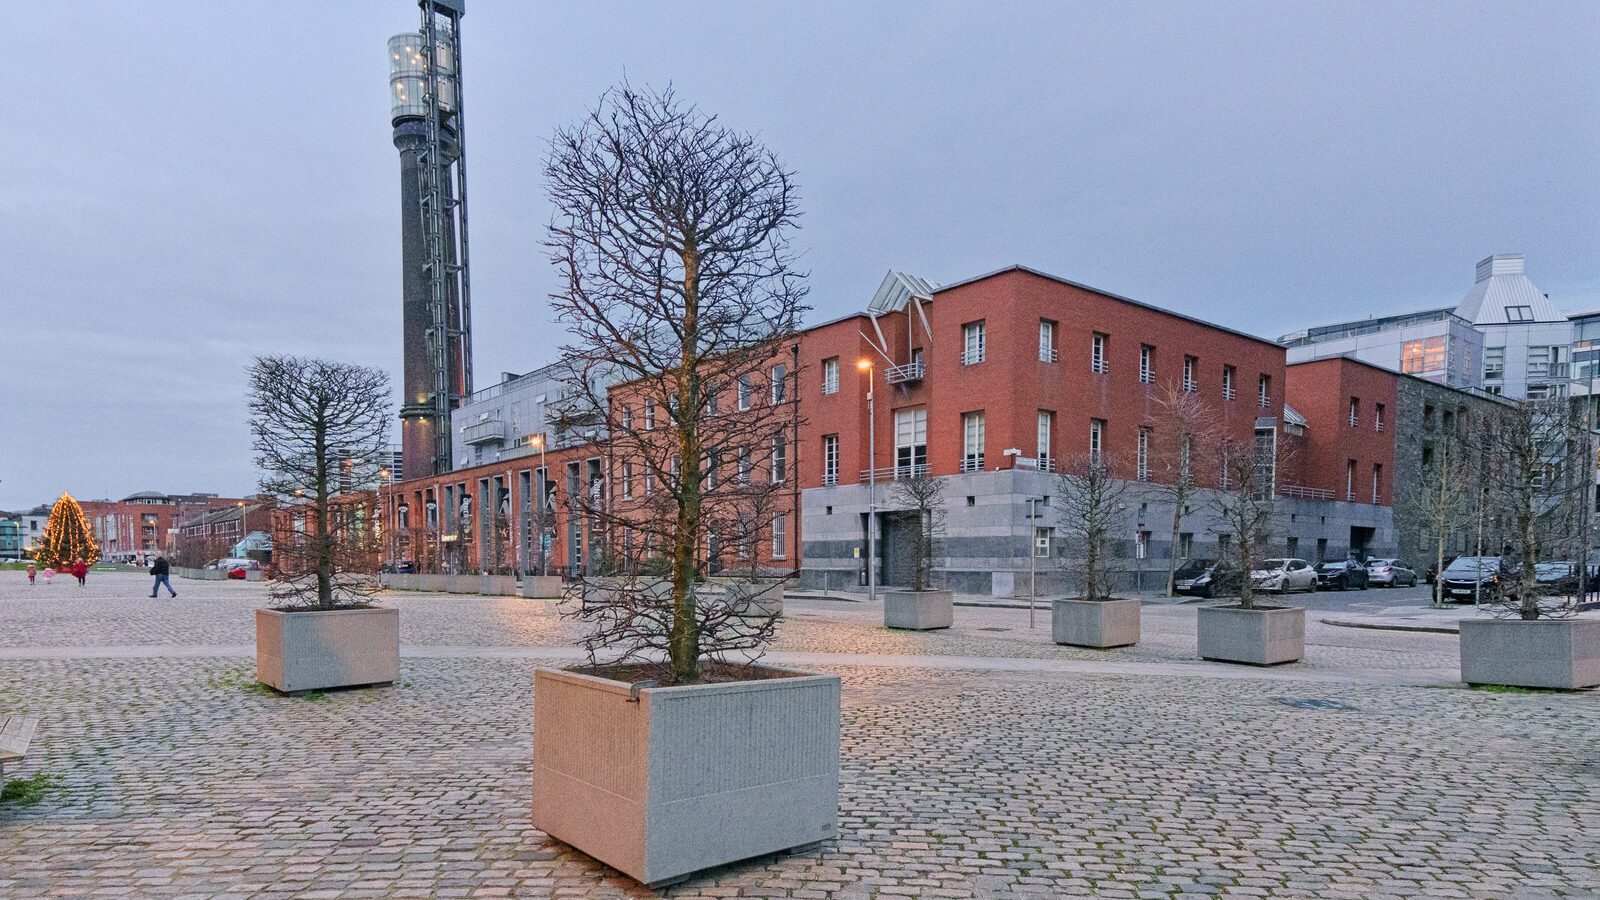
865	365
537	440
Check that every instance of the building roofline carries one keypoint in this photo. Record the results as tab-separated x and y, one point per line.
1018	267
1477	393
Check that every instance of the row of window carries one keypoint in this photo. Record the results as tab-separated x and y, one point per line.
778	468
1350	481
1354	416
744	390
779	533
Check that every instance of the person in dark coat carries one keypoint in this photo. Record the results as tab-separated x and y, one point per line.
80	571
161	571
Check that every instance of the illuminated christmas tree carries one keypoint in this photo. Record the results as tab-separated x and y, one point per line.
67	537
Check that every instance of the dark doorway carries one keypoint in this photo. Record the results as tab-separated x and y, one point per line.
1360	540
896	548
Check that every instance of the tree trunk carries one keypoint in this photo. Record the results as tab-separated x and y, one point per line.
324	538
684	639
1178	497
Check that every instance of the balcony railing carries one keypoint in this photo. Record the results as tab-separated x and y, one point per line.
1042	464
972	462
1300	492
830	479
1229	393
894	473
901	374
1048	354
971	357
489	431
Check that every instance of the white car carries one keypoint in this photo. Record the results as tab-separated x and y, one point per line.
1284	575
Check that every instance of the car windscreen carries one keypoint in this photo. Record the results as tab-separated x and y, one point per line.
1272	564
1331	567
1468	565
1192	568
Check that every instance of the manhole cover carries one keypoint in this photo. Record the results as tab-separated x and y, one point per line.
1313	703
994	629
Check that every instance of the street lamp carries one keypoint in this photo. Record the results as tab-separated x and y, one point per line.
865	365
537	440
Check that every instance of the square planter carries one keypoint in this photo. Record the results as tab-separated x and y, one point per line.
663	782
316	649
918	610
497	585
542	587
1264	636
1543	653
1094	623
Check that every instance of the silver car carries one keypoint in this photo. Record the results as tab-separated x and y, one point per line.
1390	573
1284	575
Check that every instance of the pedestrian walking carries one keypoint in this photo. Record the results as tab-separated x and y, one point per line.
161	571
80	571
49	573
33	572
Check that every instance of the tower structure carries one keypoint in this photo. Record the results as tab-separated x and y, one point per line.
429	132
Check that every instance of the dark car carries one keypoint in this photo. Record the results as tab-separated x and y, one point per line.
1557	578
1216	581
1349	575
1468	577
1184	576
1433	568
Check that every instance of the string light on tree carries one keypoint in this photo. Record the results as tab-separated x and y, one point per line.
67	537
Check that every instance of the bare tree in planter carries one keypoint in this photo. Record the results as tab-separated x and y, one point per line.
1246	504
671	234
1089	500
319	431
1185	431
922	496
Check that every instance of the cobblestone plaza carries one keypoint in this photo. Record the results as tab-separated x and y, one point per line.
980	761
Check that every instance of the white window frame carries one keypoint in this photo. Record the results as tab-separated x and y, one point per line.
1264	390
649	414
778	389
1143	471
1147	363
830	459
1042	434
1047	341
1097	352
744	390
973	343
1097	439
780	460
1229	375
627	480
911	435
830	375
1190	363
780	536
972	441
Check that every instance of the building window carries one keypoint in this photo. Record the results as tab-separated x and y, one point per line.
1189	365
1538	362
1097	352
1266	463
1377	482
972	441
1519	314
1141	545
1147	363
1350	480
744	465
1355	412
1494	362
830	375
1423	356
1041	542
744	392
910	442
1046	426
649	414
1097	435
627	418
780	384
780	537
1264	391
649	479
1143	472
830	459
627	479
713	463
1047	341
1377	416
972	343
780	459
1185	544
1229	375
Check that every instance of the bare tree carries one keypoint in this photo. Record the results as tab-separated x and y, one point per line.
1090	507
922	496
681	294
319	429
1185	431
1245	503
1536	472
1442	499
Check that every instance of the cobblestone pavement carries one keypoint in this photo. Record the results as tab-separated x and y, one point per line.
1125	774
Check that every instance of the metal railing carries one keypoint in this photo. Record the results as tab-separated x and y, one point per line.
830	479
972	462
971	357
911	371
894	473
1300	492
484	432
1048	354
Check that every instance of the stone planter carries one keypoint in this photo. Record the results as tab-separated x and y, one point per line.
680	779
918	610
497	585
1264	636
1542	653
543	587
1094	623
316	649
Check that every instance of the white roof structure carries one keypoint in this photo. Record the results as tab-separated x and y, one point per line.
1504	295
897	289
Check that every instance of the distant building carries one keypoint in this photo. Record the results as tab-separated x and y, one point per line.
1505	337
502	421
10	536
146	522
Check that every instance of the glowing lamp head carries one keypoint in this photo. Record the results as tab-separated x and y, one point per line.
864	364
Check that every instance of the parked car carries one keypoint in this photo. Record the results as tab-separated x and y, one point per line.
1433	568
1557	578
1284	575
1466	576
1347	575
1216	580
1184	577
1390	573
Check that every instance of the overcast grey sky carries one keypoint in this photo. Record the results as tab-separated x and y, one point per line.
187	184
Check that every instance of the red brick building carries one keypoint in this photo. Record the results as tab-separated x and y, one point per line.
1350	409
143	524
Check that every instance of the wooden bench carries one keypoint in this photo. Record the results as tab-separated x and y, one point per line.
16	733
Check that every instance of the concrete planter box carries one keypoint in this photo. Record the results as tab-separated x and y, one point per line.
463	584
497	585
543	587
1264	636
918	610
1094	623
317	649
1543	653
685	778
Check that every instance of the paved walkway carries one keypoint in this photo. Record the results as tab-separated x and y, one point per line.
980	761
